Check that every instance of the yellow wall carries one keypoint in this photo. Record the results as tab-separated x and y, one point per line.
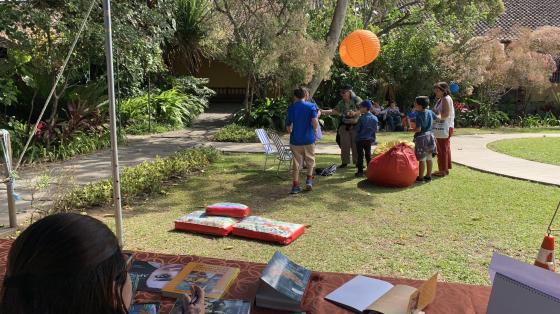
221	75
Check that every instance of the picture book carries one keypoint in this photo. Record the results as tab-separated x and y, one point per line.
369	295
148	308
282	284
213	279
152	276
218	306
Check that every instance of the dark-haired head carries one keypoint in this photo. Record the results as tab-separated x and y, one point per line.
65	263
423	101
441	89
301	92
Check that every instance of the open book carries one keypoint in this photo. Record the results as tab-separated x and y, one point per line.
282	284
369	295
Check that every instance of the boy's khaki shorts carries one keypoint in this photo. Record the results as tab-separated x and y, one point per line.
303	153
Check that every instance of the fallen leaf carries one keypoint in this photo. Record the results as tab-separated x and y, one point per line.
228	248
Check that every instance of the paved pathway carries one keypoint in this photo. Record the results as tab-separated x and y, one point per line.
90	168
472	151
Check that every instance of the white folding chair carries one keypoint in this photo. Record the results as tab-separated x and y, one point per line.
268	145
284	151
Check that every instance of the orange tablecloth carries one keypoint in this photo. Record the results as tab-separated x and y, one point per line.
450	299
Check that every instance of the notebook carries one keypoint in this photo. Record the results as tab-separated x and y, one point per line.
520	288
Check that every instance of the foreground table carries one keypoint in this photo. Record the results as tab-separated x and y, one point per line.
450	298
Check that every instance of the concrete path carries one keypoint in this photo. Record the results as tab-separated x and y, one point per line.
472	151
90	168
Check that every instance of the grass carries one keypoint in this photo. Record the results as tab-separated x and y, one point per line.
329	137
545	149
451	225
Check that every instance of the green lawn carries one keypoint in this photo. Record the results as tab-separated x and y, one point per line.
545	149
329	137
451	225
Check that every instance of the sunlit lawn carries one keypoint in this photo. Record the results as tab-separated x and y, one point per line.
329	137
545	149
451	225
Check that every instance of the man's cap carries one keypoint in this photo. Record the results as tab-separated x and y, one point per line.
346	87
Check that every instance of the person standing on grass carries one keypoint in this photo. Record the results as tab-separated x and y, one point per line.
365	135
445	112
424	140
347	109
302	124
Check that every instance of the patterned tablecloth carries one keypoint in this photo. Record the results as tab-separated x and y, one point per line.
450	299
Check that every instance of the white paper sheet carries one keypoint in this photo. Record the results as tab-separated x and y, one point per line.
360	292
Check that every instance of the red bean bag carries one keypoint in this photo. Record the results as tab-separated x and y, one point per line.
261	228
228	209
398	167
199	222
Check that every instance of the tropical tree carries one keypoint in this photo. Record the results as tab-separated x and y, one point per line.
495	67
267	41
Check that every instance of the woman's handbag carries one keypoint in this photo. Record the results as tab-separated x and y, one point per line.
440	128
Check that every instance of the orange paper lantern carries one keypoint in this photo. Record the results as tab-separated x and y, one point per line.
359	48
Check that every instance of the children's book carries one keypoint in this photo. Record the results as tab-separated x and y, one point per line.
153	276
369	295
148	308
282	284
213	279
218	306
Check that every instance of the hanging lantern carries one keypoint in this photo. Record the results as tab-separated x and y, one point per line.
359	48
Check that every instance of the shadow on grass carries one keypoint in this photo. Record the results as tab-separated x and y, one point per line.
365	185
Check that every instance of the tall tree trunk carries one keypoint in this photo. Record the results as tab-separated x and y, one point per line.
332	42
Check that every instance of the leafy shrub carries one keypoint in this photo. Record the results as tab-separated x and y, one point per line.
80	142
545	120
170	108
236	133
478	114
144	179
193	85
268	113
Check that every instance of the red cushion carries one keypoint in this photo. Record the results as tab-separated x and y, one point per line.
398	167
228	209
199	222
261	228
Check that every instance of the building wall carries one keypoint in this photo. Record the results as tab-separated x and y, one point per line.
221	75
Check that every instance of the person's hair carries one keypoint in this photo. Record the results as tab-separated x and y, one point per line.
444	87
423	101
300	92
62	264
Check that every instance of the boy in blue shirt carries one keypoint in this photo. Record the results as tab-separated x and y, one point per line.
424	140
365	135
302	124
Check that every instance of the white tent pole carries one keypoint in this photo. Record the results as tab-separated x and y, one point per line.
113	120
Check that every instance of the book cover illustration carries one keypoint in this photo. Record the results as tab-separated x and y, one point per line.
287	277
213	279
218	306
149	308
199	217
153	276
265	225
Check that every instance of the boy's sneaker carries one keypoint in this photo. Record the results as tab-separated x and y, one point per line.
309	184
295	190
419	179
428	179
359	174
